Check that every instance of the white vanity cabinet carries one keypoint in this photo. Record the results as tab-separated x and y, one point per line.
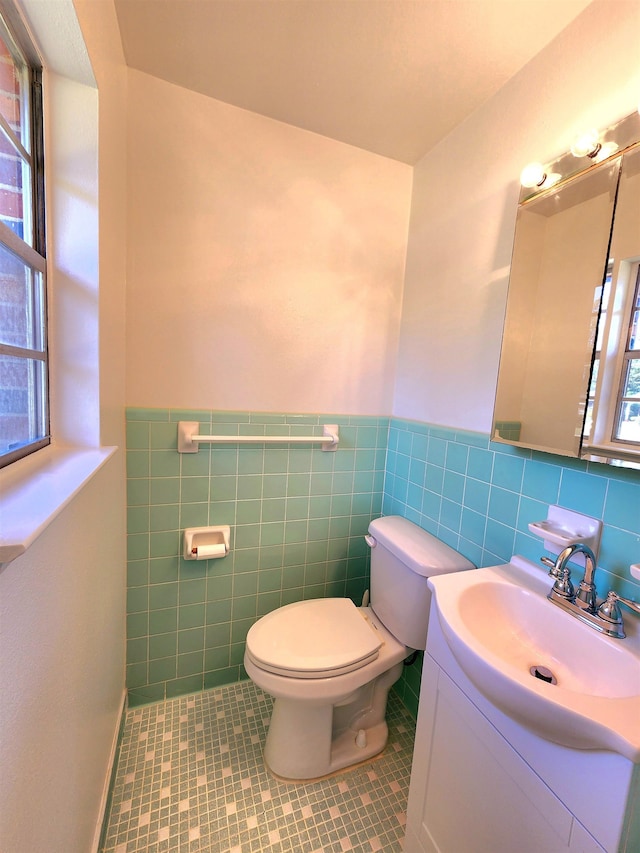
481	783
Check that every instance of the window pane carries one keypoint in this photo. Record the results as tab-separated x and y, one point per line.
15	171
634	332
21	303
15	181
24	420
13	84
628	427
22	409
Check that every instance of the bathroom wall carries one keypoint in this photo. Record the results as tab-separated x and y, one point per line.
297	514
442	471
62	620
265	275
295	260
464	202
479	497
265	265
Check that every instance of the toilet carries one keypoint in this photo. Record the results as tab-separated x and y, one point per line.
329	665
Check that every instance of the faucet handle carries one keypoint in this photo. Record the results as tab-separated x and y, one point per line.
612	601
563	588
551	565
609	609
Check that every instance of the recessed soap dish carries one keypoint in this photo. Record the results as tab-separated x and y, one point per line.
564	527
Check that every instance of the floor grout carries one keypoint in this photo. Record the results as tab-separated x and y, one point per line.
191	778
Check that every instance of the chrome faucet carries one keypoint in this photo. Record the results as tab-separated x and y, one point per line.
586	597
583	603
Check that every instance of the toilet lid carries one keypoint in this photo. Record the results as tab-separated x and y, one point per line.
313	639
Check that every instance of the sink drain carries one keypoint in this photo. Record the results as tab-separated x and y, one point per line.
544	674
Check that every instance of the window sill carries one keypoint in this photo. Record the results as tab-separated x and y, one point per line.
626	453
35	490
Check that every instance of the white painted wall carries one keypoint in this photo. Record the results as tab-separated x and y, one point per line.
61	674
265	262
62	604
464	205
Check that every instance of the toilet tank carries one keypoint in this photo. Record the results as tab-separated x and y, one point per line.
403	557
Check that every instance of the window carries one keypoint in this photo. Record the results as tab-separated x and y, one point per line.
613	411
24	411
598	322
627	421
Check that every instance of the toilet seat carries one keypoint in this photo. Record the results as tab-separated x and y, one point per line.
316	638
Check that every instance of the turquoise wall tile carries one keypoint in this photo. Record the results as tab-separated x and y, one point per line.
473	525
456	457
163	645
476	495
503	506
541	480
164	490
453	486
508	472
164	463
137	463
622	508
480	464
137	435
139	414
504	489
299	515
583	492
286	505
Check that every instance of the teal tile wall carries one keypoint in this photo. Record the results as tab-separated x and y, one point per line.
479	497
298	516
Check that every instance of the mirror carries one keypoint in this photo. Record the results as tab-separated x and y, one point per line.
569	377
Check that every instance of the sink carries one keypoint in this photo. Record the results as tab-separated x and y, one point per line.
510	641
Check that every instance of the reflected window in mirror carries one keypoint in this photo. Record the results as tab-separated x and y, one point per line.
628	419
613	419
598	321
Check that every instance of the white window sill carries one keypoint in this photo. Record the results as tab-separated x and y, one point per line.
35	490
624	452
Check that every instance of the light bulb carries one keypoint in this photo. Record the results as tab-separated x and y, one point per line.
587	144
533	175
606	150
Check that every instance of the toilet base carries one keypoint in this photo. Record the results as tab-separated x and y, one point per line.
306	741
343	768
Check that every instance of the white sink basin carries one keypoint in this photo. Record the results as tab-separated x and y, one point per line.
499	625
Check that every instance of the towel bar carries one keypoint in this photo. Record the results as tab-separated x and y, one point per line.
189	439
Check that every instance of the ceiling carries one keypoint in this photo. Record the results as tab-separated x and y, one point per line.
391	76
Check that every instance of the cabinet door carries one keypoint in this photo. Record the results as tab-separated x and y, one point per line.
473	792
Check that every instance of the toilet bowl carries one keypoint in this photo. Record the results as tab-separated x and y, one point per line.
329	665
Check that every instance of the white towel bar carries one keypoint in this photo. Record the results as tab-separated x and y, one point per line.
189	439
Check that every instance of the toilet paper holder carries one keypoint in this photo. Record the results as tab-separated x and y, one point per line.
206	543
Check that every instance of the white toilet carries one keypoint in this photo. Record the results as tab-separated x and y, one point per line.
330	665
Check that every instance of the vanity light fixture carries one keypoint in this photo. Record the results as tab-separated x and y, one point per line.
588	150
533	175
587	144
607	149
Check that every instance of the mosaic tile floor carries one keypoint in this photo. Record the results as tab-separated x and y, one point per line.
190	777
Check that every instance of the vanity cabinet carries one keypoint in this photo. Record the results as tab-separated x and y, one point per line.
481	783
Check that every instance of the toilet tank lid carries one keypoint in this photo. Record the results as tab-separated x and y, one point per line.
420	551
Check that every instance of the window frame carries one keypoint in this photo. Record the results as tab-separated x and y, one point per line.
32	255
617	320
628	355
